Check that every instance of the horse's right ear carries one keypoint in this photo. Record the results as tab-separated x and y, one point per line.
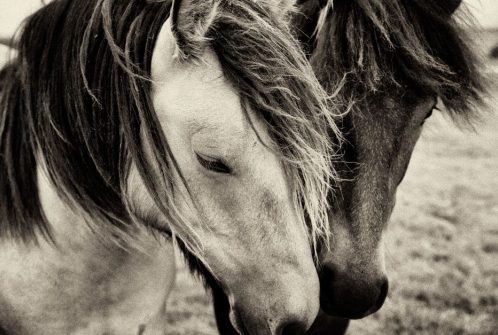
190	22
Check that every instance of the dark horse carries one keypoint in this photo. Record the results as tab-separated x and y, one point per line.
388	62
127	125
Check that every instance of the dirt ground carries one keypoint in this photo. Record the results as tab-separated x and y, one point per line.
442	242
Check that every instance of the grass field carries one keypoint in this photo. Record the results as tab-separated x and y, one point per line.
442	242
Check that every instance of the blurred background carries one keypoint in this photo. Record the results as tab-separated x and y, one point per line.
442	242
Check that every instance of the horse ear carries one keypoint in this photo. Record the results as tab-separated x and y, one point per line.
190	21
449	6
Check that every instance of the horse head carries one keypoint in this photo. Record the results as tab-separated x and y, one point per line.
388	63
229	94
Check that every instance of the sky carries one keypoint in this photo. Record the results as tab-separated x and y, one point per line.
12	12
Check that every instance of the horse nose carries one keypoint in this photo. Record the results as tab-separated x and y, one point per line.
297	320
288	326
292	327
291	313
351	296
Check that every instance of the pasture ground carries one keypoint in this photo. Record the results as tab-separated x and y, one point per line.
442	241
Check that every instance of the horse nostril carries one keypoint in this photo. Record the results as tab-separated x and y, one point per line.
381	298
291	328
350	297
384	288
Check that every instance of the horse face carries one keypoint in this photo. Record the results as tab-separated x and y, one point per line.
241	208
380	132
379	143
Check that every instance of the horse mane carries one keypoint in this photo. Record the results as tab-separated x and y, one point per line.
50	119
77	102
374	47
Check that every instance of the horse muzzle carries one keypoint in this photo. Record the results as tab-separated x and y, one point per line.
351	296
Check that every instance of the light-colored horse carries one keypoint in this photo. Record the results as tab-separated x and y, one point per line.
224	148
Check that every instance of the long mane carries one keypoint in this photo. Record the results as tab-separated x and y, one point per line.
77	101
363	48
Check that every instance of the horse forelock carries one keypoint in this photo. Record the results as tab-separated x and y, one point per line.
379	47
262	59
84	73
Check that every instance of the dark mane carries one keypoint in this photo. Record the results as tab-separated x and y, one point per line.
377	46
77	102
43	96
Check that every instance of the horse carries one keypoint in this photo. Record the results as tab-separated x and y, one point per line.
127	127
387	63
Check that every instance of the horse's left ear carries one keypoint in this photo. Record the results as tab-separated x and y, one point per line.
190	21
449	6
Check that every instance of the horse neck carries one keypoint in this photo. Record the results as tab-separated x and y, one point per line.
83	284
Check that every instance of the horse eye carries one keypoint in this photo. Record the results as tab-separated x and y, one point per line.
428	115
213	164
